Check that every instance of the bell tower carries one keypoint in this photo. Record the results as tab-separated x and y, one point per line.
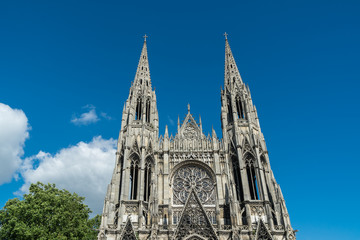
131	189
256	197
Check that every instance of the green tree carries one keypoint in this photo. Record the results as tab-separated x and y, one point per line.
47	213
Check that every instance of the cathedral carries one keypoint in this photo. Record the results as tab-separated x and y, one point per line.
192	186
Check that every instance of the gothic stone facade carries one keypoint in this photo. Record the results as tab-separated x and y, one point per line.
192	186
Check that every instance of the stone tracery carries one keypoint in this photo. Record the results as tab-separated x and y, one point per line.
194	223
194	177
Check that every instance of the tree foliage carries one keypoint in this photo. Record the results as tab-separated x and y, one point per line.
47	213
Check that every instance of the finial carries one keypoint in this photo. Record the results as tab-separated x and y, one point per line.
188	107
213	132
145	37
225	34
166	132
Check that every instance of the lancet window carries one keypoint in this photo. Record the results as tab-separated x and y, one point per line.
134	176
147	179
252	177
138	111
147	116
227	219
239	107
121	173
237	179
230	112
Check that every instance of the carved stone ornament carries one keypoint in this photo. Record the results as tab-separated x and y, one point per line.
131	209
262	233
128	231
194	223
193	177
257	210
190	131
102	236
247	148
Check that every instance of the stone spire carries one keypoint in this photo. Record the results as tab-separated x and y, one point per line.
142	77
231	73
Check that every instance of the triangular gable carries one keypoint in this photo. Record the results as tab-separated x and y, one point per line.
190	128
262	233
135	148
194	222
128	231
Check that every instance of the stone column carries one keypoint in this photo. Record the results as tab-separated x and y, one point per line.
141	187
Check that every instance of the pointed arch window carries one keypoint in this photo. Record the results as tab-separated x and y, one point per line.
138	110
230	112
237	179
239	107
147	116
121	173
252	177
134	176
147	179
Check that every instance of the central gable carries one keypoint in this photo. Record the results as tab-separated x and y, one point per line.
190	129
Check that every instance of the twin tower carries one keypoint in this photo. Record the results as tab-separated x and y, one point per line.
193	186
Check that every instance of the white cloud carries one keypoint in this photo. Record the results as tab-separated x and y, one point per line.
172	123
106	116
13	133
87	117
85	168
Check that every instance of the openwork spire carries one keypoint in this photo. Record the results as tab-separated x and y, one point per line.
128	231
194	223
262	233
142	77
232	74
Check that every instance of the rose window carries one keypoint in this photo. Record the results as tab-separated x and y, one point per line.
193	177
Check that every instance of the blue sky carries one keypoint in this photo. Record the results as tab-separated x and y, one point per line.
62	59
